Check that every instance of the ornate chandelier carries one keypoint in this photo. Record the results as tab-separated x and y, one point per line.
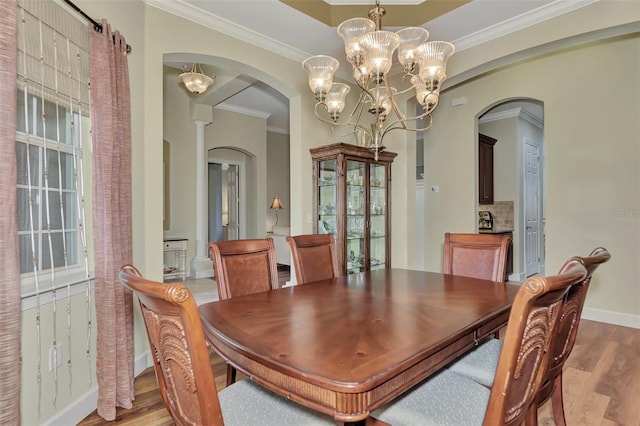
196	81
370	51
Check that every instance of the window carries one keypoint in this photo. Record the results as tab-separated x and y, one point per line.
52	148
49	156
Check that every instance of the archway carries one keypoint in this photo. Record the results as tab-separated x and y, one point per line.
518	169
243	129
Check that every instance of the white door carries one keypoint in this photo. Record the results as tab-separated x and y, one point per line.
532	208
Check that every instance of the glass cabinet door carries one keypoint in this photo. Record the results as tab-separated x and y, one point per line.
327	190
378	215
356	216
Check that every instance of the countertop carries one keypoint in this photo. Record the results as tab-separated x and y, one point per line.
495	231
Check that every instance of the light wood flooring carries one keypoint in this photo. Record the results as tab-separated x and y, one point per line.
601	383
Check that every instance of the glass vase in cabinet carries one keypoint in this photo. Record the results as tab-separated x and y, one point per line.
352	193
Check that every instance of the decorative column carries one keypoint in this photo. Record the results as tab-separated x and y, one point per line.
201	265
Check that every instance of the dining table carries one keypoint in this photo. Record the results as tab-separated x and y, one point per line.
345	346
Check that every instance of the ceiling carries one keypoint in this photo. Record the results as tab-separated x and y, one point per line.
298	29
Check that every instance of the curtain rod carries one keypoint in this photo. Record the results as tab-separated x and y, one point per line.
96	26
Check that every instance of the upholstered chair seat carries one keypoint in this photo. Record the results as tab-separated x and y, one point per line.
480	364
247	403
445	399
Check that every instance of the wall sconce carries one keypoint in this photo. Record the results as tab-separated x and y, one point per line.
276	205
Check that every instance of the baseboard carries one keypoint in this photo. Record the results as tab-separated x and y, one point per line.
75	412
610	317
516	278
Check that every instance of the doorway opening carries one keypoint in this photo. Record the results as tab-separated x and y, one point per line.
224	205
518	182
227	203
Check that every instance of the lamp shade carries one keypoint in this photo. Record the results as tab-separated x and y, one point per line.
320	69
276	204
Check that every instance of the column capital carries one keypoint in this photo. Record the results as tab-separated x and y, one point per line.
201	123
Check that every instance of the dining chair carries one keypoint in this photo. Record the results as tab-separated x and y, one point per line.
183	368
243	267
482	256
451	399
314	257
565	337
480	364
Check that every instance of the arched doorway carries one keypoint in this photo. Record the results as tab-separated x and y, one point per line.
518	174
231	125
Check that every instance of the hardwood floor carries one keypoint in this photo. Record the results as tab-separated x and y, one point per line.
601	383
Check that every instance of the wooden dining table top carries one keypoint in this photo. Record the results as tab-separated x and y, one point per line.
345	346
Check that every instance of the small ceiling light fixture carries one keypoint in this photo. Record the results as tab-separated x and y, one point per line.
196	81
276	205
370	51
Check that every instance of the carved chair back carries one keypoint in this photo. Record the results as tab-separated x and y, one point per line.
523	359
568	322
314	257
482	256
180	355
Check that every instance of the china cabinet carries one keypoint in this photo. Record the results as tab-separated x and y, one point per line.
352	201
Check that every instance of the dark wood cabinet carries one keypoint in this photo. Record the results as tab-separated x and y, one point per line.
352	201
485	169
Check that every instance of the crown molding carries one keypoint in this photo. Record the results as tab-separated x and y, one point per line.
214	22
210	20
241	110
279	130
531	18
511	113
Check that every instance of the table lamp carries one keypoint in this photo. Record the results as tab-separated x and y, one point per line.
276	205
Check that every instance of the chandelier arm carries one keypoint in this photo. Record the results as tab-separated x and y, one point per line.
337	123
359	107
400	125
411	87
402	118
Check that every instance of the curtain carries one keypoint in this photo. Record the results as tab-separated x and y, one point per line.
111	133
9	258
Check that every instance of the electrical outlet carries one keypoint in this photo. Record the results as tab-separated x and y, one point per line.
55	357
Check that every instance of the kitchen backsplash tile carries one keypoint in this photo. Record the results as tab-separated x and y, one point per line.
502	212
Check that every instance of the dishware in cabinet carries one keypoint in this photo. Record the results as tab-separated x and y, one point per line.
351	201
